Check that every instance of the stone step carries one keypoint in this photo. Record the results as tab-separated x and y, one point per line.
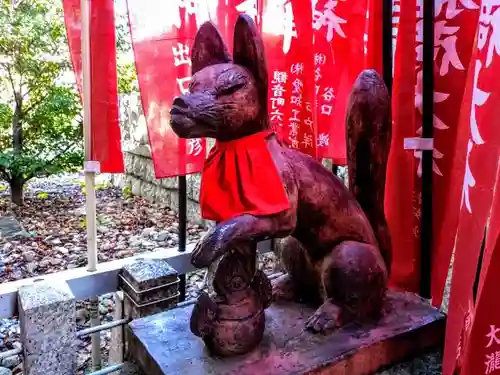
163	344
10	228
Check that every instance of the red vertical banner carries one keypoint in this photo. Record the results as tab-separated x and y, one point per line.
373	38
482	352
162	33
455	29
402	203
288	40
326	78
493	228
476	165
339	46
105	128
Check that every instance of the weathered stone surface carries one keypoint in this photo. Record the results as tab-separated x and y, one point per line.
133	123
149	280
116	347
163	343
148	273
48	328
10	228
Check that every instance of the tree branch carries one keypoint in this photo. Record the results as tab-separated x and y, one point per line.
35	172
35	104
12	84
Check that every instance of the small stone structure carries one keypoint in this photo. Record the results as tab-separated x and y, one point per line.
139	172
48	328
149	287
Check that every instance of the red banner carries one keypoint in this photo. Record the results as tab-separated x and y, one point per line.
482	352
373	36
476	165
482	331
455	28
307	115
402	203
162	34
493	229
339	30
288	40
105	128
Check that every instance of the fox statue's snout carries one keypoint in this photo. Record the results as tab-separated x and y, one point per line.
227	97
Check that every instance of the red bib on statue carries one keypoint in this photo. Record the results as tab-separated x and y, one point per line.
239	177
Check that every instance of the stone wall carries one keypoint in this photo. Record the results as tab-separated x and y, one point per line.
139	173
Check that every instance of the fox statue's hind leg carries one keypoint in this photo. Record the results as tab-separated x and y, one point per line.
349	284
351	280
354	276
353	284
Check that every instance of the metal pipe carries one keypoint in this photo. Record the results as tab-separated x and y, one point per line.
95	321
102	327
107	370
427	132
186	303
274	275
182	230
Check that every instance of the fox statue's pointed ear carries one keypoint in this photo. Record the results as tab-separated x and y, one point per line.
208	48
248	51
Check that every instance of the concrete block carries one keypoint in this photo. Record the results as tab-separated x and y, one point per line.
47	313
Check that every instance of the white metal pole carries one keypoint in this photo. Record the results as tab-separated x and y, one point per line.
90	179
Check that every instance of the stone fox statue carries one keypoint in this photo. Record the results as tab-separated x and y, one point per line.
336	247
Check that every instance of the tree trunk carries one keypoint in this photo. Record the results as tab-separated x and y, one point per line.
17	191
17	128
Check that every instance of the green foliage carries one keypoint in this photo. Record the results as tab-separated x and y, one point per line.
103	186
40	133
127	192
42	195
40	111
83	222
127	78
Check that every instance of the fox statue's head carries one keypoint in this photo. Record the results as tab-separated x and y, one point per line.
227	96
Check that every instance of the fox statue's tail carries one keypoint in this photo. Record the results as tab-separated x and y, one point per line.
368	143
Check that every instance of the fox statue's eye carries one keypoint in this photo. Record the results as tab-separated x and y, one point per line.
230	89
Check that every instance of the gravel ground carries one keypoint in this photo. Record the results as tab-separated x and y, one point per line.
53	238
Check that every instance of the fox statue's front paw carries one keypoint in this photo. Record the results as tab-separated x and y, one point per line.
209	248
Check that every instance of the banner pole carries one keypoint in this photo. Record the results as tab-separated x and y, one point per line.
182	230
90	169
427	132
387	43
